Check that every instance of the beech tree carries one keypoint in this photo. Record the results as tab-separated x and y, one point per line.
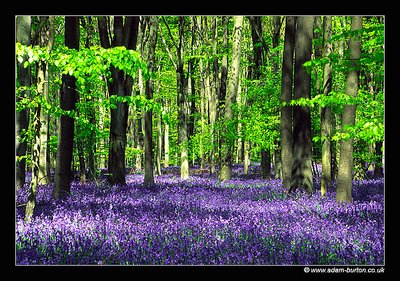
148	116
326	114
23	35
344	180
68	96
302	145
286	97
125	34
45	39
182	103
229	130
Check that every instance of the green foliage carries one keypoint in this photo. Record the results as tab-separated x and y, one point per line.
257	111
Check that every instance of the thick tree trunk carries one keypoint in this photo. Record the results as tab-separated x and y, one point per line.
62	177
118	124
125	34
302	146
23	31
256	35
148	119
225	172
344	181
286	96
326	115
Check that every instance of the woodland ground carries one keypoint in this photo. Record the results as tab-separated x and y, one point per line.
245	221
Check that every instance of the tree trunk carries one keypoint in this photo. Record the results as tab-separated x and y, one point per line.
159	145
302	146
222	86
229	129
46	39
182	106
62	177
148	119
125	34
92	110
246	156
326	115
30	205
344	181
286	96
256	35
166	141
23	31
202	116
378	170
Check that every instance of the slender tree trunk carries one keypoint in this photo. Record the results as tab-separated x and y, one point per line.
202	116
46	39
43	134
87	24
378	169
30	206
286	96
344	181
214	93
225	172
166	140
23	31
182	106
148	119
159	144
326	115
223	84
302	146
68	98
246	156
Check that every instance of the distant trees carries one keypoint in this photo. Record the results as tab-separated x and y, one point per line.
211	90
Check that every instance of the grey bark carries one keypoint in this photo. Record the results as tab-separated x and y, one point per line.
302	145
148	119
326	114
23	35
286	96
182	105
344	180
225	172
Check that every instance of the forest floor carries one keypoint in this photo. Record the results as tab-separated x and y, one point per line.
200	221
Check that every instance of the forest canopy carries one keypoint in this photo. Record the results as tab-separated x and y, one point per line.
194	90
